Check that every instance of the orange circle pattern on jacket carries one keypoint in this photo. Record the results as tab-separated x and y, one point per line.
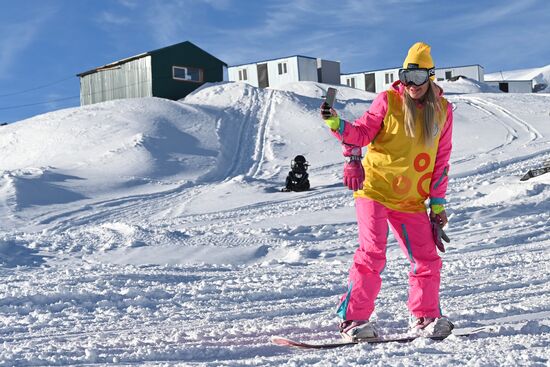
421	162
419	187
401	184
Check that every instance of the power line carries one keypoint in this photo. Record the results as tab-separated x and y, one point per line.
74	97
37	103
85	95
36	88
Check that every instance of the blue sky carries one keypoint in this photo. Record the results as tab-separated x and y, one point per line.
44	44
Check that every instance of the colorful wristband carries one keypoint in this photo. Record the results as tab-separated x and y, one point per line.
333	122
437	208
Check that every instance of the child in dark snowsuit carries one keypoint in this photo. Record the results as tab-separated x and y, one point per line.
297	179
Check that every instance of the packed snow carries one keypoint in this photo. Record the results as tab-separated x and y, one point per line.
153	232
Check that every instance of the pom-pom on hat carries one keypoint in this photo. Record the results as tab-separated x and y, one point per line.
419	57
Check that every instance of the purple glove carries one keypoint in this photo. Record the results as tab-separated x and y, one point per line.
354	175
326	111
438	233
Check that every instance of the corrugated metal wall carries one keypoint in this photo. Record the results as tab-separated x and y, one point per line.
129	80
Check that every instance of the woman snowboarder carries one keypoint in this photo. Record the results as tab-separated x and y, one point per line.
408	132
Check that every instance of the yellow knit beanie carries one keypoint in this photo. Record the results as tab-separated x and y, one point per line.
419	57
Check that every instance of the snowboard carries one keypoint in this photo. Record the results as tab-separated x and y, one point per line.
286	342
535	172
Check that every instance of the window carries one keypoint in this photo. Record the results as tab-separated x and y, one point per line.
282	68
448	75
242	74
187	74
350	82
389	78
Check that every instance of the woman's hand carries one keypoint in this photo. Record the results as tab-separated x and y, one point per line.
354	174
327	111
442	216
330	116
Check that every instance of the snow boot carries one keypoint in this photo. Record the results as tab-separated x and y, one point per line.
430	327
356	330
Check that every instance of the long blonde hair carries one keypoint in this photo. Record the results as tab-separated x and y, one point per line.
433	114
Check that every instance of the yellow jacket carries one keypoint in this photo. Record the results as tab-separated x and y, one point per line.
400	171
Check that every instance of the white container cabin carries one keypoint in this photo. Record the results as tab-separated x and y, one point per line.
512	86
379	80
273	73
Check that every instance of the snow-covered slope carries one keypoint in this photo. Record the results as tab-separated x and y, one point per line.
541	75
152	232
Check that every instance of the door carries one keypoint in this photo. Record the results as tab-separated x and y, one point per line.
370	85
263	79
503	87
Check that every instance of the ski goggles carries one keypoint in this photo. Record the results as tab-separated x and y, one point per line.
415	76
299	165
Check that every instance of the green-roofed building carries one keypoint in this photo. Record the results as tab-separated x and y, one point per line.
171	72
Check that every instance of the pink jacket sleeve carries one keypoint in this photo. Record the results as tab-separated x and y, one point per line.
363	130
440	178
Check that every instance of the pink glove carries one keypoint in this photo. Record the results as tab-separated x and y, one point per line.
354	175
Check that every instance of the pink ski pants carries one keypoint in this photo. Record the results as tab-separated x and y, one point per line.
413	232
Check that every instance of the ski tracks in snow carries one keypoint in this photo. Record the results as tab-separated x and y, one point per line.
534	134
252	140
521	138
265	117
504	116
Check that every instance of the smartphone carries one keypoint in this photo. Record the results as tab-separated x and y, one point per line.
331	96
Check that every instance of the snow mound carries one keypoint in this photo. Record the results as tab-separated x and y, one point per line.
34	186
512	192
466	85
113	143
15	253
318	90
177	255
